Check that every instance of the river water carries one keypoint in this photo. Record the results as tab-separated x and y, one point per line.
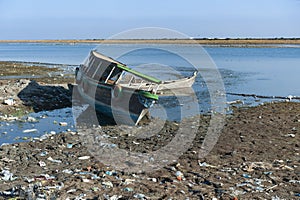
262	71
272	70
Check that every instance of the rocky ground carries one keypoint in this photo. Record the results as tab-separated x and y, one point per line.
46	89
255	157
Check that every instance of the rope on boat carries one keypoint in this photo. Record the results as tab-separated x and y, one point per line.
290	97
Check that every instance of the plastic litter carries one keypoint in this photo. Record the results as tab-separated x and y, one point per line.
42	164
84	157
268	173
139	196
30	130
31	119
129	181
110	173
128	189
44	153
80	197
290	135
9	101
259	188
204	164
7	160
57	187
7	175
114	197
179	175
152	179
71	190
29	180
85	180
44	177
246	176
67	171
107	184
63	123
294	181
53	160
95	189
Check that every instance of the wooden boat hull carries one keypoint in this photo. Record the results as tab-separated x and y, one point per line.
124	105
178	84
164	85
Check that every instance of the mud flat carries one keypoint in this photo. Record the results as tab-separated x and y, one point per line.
256	156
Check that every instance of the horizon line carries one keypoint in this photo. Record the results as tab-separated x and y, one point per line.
191	40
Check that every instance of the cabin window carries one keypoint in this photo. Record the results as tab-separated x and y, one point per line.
111	74
106	73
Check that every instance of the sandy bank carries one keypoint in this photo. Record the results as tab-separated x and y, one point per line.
291	41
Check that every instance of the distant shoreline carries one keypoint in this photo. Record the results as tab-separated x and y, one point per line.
204	41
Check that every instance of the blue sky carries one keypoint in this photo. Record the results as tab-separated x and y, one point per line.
90	19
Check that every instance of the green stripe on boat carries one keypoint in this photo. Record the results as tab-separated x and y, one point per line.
149	95
139	74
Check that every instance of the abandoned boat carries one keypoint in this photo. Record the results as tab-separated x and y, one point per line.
98	83
120	92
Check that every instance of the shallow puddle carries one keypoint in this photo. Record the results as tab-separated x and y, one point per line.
36	125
